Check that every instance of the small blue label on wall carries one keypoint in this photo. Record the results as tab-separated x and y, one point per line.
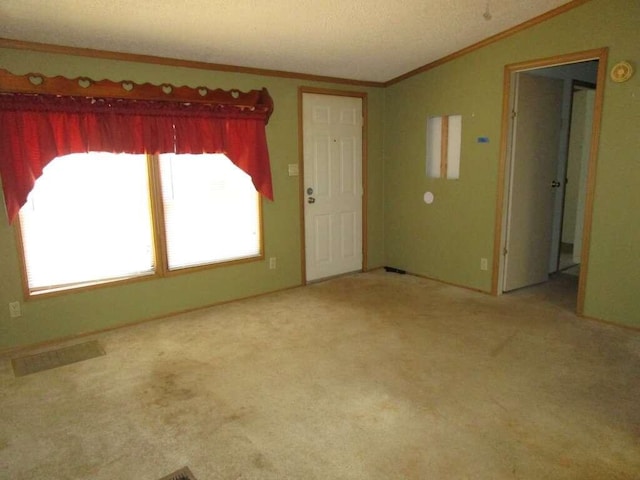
483	139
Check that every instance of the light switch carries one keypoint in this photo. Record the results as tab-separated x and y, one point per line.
293	169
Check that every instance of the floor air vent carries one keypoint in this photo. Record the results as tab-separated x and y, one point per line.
56	358
182	474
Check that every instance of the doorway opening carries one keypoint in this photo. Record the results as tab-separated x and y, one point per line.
573	165
551	123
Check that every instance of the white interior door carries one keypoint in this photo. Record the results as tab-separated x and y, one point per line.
332	150
537	123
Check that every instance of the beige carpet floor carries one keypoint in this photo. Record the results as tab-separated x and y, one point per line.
369	376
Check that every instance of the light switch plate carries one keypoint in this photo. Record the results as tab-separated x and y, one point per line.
293	170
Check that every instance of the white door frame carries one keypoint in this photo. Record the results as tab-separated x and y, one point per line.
504	170
301	187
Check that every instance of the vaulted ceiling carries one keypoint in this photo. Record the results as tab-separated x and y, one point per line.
369	40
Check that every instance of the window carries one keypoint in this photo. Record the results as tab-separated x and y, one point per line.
211	210
90	218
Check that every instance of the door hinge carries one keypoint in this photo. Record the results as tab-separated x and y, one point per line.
514	114
504	251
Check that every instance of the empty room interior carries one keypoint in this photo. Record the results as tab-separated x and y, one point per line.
320	240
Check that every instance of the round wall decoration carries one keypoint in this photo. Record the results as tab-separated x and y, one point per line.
621	72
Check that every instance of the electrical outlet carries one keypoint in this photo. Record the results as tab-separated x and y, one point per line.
484	265
14	310
272	263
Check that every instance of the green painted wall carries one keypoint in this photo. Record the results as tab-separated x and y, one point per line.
71	314
447	239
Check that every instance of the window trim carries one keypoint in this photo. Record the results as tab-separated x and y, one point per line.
162	270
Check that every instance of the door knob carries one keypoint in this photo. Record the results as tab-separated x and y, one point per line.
311	200
555	184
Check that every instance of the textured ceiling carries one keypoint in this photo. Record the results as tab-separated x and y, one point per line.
373	40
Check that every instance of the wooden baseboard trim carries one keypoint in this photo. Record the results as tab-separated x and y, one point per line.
600	321
33	347
451	284
609	323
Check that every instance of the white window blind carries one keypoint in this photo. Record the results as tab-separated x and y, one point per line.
211	210
88	220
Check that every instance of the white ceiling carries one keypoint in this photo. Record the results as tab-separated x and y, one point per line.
373	40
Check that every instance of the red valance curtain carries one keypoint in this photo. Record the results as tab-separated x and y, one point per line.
35	129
